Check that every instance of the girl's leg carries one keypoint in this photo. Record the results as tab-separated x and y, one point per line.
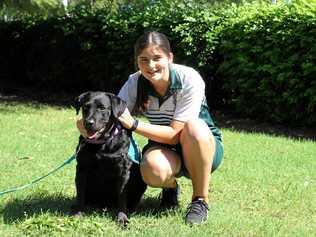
198	148
159	167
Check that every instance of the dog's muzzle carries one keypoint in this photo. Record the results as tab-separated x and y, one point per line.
95	135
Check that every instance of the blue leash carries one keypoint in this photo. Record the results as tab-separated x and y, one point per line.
68	161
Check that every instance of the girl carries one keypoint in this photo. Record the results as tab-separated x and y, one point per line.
182	137
183	140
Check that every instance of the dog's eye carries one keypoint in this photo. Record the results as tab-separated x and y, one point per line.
103	109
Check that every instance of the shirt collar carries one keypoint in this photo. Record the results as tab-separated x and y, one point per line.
175	82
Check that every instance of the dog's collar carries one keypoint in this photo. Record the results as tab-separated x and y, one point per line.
114	131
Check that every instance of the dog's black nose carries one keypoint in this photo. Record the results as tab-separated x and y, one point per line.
89	123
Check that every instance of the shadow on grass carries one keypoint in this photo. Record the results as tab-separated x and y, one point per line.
35	98
226	119
149	206
58	205
20	209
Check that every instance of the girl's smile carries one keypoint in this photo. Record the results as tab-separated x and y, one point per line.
154	64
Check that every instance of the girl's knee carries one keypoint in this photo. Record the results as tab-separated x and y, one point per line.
153	173
195	131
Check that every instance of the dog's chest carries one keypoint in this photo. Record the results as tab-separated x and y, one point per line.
103	161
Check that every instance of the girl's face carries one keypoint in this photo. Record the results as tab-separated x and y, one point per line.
153	63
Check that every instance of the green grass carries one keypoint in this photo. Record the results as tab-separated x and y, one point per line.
265	187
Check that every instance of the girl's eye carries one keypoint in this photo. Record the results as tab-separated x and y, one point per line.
144	60
157	58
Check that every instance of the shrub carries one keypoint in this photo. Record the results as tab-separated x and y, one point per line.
258	58
267	63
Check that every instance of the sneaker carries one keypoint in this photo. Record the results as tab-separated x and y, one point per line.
196	212
170	197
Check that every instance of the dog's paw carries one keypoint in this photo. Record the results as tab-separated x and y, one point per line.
77	214
122	219
76	211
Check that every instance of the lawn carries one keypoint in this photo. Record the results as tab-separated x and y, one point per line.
266	185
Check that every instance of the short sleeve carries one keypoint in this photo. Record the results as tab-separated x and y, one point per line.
128	92
190	98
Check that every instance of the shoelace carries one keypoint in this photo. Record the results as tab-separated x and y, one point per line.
197	206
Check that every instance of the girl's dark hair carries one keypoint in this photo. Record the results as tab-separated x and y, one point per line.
148	38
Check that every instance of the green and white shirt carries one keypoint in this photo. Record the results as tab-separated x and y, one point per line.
184	100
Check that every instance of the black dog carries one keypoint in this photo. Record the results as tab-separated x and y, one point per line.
105	175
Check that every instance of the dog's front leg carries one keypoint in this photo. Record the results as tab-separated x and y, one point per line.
81	186
122	210
122	202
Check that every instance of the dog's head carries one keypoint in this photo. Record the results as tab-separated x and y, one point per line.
99	111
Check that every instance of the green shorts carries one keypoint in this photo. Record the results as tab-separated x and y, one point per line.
217	159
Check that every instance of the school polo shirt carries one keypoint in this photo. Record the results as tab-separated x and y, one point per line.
184	100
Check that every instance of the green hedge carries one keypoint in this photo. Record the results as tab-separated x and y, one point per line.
258	59
268	62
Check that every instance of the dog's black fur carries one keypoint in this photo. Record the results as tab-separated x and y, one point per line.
105	175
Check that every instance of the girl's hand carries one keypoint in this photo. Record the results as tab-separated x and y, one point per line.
126	119
81	128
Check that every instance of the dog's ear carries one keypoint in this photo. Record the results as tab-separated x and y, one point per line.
118	105
79	101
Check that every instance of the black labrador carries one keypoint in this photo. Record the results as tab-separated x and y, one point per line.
106	177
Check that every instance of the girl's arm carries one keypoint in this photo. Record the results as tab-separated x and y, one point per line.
159	133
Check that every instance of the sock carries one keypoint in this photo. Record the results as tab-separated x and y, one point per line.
200	197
